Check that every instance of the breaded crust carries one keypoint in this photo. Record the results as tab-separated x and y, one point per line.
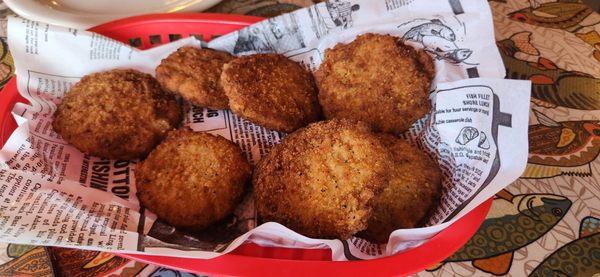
271	90
376	79
321	180
194	74
415	188
193	179
116	114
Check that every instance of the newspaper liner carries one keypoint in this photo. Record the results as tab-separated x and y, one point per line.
52	194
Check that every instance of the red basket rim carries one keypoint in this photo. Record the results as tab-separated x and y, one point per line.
212	18
411	261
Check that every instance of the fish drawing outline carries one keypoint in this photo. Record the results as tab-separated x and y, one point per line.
577	258
513	222
562	148
551	86
438	39
34	262
569	15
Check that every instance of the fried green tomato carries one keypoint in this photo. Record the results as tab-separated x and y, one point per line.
415	188
193	179
194	74
376	79
271	90
116	114
322	179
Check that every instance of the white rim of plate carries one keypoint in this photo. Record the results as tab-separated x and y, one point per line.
35	10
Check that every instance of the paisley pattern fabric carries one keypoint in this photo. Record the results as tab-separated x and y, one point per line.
545	224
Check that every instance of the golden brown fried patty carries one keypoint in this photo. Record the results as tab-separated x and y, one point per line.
192	179
194	74
376	79
322	179
116	114
271	90
414	189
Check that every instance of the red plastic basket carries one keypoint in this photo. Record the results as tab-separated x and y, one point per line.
250	259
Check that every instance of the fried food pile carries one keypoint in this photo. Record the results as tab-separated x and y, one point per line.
271	90
321	180
194	74
118	114
193	179
378	80
347	175
413	190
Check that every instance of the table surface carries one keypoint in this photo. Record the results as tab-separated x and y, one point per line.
556	45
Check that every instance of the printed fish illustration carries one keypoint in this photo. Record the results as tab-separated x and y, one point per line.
580	257
550	84
445	49
593	39
514	221
433	28
534	3
35	262
438	39
86	263
100	259
522	42
564	14
17	250
562	148
6	64
457	55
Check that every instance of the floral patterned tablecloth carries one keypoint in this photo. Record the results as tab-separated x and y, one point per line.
556	45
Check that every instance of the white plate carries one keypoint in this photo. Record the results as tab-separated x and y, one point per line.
84	14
